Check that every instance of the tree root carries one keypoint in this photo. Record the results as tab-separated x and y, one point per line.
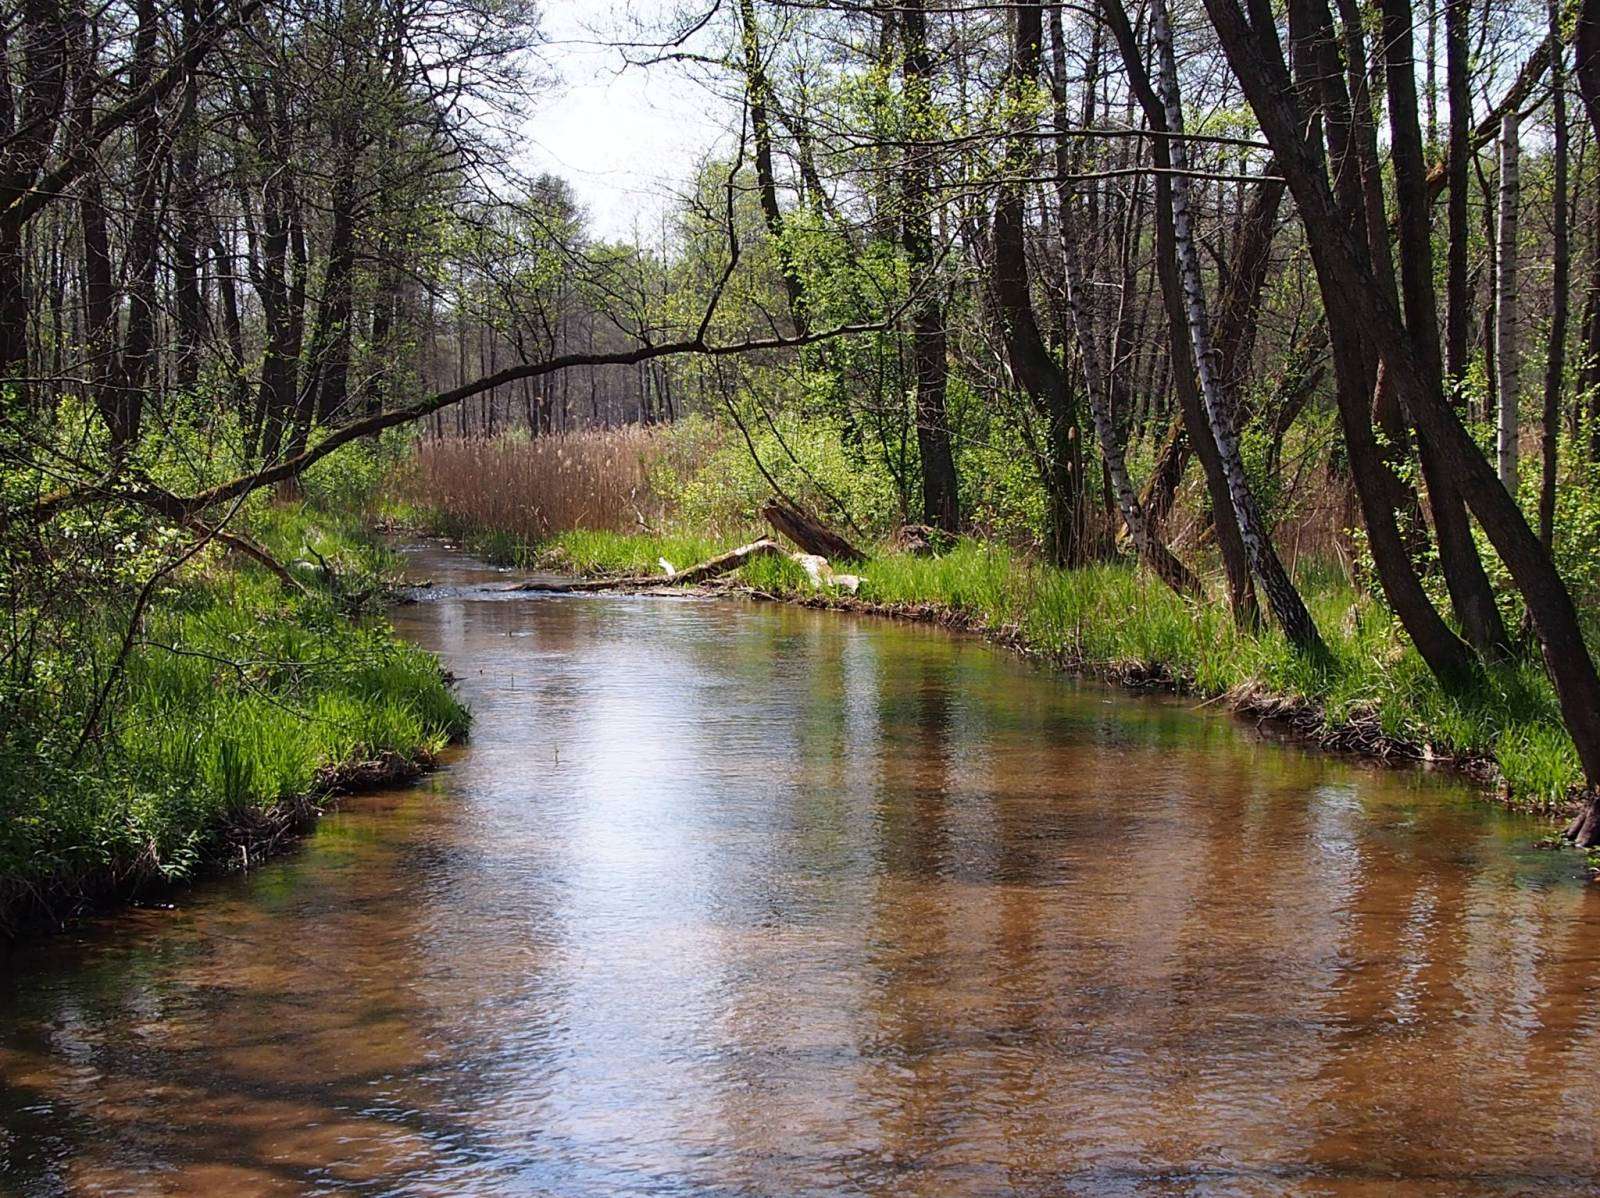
1584	830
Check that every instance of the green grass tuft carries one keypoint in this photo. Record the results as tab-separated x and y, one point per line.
239	697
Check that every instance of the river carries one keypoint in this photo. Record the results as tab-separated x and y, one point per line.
735	899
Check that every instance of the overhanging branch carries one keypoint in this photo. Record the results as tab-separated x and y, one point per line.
185	508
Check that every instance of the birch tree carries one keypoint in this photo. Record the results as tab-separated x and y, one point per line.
1152	551
1507	351
1288	608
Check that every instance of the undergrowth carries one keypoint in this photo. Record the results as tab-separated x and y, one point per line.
240	701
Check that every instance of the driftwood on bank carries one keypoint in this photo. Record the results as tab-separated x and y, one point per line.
808	532
723	563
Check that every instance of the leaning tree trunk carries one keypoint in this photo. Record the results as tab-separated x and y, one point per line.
1160	492
808	532
1471	593
1508	357
1349	296
1235	559
1152	551
1560	254
1380	492
1287	606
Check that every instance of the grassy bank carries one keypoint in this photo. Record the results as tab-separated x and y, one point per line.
1374	695
244	703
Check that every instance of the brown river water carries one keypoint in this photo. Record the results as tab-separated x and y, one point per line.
730	899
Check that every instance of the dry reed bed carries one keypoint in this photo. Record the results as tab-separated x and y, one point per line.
526	488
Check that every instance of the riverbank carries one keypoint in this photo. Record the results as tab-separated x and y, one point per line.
920	901
249	700
1373	696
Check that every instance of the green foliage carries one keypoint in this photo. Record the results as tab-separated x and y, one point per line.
238	697
613	553
1000	491
347	480
809	458
1576	543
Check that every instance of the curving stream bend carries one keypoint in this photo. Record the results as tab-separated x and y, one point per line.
730	900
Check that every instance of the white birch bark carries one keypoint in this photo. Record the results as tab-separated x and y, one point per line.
1508	352
1287	607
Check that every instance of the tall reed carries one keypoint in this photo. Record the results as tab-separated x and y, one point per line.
528	488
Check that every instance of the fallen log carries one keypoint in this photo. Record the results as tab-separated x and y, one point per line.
808	532
723	563
244	545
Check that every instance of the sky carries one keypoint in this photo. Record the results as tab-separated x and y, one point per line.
626	139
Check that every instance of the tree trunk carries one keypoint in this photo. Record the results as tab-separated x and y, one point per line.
233	332
329	358
1235	559
1586	69
1032	364
1152	551
137	360
1507	351
1458	317
1348	106
759	93
1590	383
1432	89
99	285
1350	297
1471	593
808	532
1239	310
1282	597
1556	359
929	352
34	52
14	305
188	303
1172	460
1379	491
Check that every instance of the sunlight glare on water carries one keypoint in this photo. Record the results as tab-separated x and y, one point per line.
734	900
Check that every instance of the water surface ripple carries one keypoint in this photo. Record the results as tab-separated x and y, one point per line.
738	900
